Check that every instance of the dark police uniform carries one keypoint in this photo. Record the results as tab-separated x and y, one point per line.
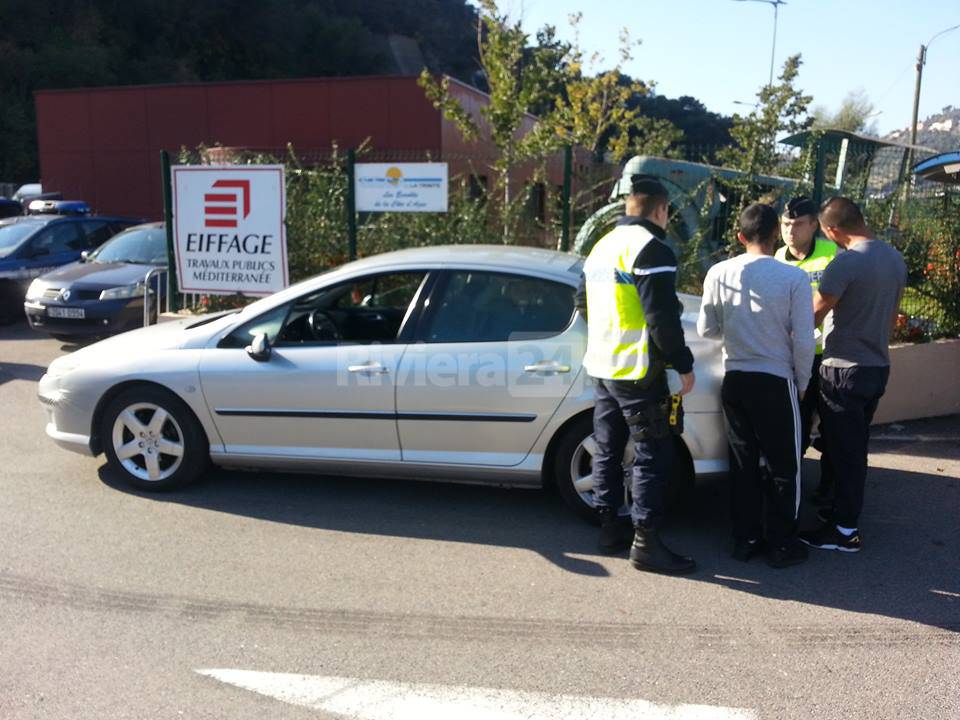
628	293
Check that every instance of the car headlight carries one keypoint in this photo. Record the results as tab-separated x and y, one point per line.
35	291
122	292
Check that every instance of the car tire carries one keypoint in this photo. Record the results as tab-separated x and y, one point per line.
152	439
11	303
572	463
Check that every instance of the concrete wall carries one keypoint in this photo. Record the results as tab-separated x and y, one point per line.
924	382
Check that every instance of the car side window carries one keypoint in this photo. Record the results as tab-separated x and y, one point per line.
496	307
96	233
359	311
58	238
269	322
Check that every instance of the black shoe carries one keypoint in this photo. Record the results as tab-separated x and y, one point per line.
791	553
616	533
745	550
827	537
649	553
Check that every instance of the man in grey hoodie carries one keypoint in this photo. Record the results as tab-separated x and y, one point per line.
762	310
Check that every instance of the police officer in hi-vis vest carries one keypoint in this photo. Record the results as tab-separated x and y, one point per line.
802	248
628	294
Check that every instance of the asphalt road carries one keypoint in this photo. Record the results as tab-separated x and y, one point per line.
445	599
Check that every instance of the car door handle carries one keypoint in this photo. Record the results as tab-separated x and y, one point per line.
373	368
546	368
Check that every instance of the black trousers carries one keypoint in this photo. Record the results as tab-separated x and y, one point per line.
617	401
809	406
848	400
762	416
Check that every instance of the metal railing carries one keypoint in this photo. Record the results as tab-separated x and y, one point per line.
160	273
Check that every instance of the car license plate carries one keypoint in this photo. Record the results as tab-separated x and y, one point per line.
62	312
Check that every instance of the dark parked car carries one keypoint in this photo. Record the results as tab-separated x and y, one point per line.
10	208
103	293
32	245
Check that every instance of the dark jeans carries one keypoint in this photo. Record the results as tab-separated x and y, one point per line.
615	402
848	400
808	407
763	422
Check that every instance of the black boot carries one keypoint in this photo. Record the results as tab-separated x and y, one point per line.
649	553
615	532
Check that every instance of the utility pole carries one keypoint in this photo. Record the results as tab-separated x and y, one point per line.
921	61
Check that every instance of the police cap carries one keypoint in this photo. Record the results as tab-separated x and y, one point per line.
799	207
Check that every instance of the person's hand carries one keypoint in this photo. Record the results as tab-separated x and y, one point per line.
802	393
688	379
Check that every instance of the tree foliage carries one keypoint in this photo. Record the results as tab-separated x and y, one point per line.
853	114
542	98
781	110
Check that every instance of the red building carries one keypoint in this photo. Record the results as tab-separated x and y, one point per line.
103	145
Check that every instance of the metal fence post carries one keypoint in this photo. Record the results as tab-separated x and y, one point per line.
351	204
173	299
565	201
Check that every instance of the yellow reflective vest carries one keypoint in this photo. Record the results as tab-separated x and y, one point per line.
824	251
618	340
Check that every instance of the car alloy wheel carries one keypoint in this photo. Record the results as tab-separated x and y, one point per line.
581	468
148	442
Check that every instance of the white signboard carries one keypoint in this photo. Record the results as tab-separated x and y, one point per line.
228	225
401	187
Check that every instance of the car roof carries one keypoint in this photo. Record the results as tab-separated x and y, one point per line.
506	258
45	218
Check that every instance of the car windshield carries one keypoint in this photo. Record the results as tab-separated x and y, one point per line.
144	246
12	235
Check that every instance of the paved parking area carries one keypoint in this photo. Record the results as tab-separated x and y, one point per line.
258	595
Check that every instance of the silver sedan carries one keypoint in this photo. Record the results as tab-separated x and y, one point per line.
456	363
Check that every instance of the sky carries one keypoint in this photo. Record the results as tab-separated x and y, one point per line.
718	51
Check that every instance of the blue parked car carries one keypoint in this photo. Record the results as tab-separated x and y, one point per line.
103	293
32	245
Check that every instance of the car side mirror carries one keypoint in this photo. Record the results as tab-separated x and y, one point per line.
84	255
259	347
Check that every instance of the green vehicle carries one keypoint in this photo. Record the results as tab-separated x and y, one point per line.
701	196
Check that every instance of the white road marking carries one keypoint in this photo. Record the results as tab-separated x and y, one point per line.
382	700
946	593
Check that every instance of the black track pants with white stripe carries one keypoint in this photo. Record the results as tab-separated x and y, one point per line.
762	416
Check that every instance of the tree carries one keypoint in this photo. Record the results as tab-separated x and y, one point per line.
781	109
544	84
853	114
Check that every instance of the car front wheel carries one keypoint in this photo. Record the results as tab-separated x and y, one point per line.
573	470
153	440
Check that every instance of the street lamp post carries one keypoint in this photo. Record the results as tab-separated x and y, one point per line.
773	50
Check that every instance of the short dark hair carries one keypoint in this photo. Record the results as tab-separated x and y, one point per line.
759	223
648	192
842	213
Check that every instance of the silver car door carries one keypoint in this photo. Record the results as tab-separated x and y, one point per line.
498	354
326	391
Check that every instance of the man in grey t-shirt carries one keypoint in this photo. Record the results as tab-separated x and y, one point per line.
762	311
861	291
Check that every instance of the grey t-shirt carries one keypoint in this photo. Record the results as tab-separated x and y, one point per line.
868	279
762	309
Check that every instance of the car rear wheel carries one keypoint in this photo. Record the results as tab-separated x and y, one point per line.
573	469
11	303
153	440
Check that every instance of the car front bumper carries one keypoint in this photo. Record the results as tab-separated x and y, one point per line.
104	317
64	417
